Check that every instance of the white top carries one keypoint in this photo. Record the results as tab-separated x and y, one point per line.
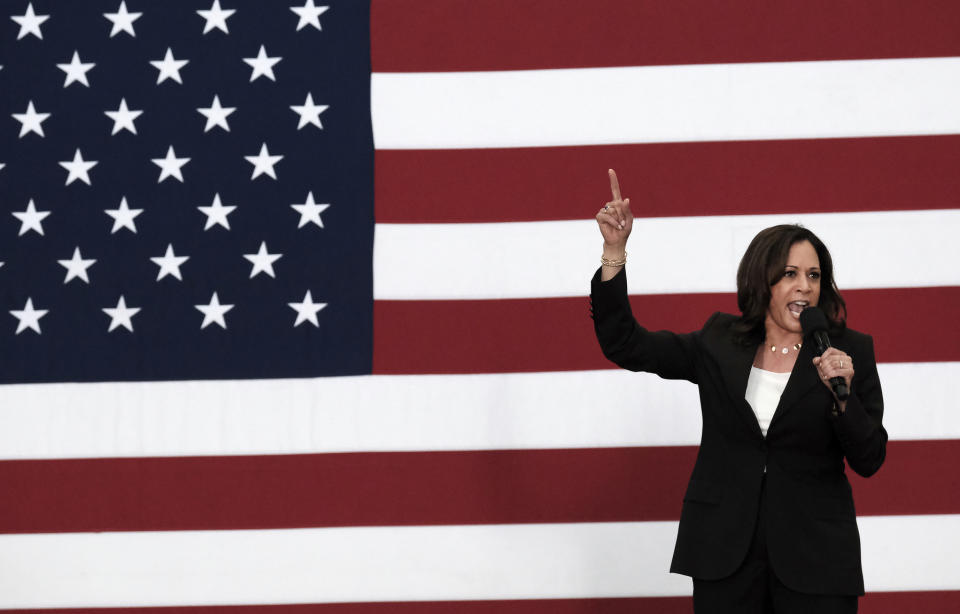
763	394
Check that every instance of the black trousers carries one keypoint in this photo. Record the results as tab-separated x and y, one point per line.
755	589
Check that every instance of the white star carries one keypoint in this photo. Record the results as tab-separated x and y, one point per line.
309	113
121	315
310	211
170	165
262	261
263	163
2	165
123	216
217	213
122	20
216	115
216	17
307	310
31	219
169	67
76	266
123	118
309	15
30	120
76	70
28	316
77	168
213	312
262	65
169	263
30	22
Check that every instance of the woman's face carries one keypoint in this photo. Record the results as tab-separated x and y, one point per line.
798	289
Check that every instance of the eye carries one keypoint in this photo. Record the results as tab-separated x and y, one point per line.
790	273
815	275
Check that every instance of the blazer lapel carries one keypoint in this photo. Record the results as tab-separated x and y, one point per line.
735	361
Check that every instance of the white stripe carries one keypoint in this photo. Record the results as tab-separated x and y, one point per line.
771	100
666	255
409	563
910	553
396	413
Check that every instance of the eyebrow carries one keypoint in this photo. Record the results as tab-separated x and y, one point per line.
793	266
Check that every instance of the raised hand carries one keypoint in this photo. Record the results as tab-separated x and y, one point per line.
615	219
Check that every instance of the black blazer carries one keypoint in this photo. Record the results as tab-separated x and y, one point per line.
812	536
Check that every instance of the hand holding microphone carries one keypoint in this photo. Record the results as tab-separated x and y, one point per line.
834	366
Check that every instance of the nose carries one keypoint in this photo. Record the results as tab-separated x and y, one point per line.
804	283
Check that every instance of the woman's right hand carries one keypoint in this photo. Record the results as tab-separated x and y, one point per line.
615	220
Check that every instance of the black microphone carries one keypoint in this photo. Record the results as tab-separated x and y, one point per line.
814	324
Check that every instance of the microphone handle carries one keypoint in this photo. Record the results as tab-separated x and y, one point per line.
822	341
840	389
838	384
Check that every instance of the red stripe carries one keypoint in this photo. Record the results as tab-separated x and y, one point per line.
906	472
556	334
498	336
445	35
250	492
635	605
929	602
478	487
668	179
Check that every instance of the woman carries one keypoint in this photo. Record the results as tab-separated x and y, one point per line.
768	523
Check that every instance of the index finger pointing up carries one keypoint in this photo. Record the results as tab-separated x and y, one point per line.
614	184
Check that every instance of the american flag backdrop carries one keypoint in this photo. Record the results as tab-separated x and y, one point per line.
293	295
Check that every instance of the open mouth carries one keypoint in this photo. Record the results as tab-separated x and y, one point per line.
797	307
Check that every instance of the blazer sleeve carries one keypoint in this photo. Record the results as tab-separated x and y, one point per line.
860	428
629	345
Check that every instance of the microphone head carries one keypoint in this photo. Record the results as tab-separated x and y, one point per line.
812	319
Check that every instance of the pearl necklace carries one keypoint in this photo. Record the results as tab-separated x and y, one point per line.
784	350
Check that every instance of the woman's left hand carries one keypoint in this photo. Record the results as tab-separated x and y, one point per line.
834	363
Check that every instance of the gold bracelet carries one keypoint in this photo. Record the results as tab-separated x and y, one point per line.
607	262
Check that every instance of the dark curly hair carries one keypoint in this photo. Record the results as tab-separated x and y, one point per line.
762	266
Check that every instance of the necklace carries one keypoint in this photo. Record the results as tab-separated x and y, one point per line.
785	349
